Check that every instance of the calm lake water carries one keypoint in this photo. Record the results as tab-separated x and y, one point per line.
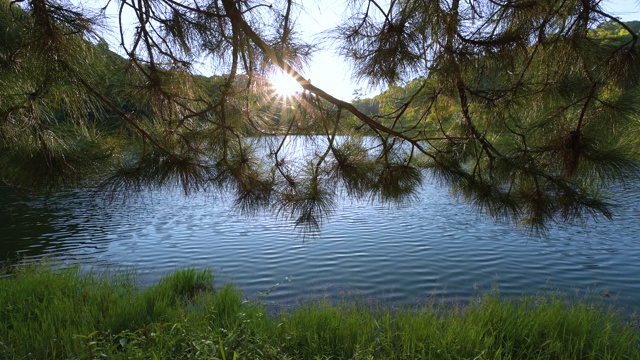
436	246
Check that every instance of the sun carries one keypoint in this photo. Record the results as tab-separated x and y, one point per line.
284	84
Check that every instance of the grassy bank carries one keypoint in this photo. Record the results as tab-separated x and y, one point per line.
46	314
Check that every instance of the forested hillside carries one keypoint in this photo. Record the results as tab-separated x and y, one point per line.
410	98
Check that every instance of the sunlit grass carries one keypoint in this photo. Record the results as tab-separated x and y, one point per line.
48	314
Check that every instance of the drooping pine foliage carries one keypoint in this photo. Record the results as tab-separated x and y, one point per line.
526	109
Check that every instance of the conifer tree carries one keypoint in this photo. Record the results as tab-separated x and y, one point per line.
526	109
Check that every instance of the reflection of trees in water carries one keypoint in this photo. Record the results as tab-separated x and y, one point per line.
65	224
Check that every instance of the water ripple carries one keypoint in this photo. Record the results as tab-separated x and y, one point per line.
438	247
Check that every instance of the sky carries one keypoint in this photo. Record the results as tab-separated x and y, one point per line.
626	10
330	73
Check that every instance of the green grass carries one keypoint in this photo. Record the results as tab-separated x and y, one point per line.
66	314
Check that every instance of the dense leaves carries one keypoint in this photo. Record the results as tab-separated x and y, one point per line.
525	109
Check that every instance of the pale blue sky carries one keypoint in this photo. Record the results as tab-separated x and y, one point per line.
627	10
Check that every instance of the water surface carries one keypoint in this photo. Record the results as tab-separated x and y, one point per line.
437	246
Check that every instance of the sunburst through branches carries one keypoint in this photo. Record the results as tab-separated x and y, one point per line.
284	84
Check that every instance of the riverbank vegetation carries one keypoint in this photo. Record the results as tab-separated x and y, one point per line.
67	314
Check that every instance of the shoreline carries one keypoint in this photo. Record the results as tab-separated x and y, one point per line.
49	314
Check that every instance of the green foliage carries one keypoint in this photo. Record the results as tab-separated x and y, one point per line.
60	314
615	33
49	313
527	111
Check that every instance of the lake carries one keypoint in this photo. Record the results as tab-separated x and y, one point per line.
436	246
